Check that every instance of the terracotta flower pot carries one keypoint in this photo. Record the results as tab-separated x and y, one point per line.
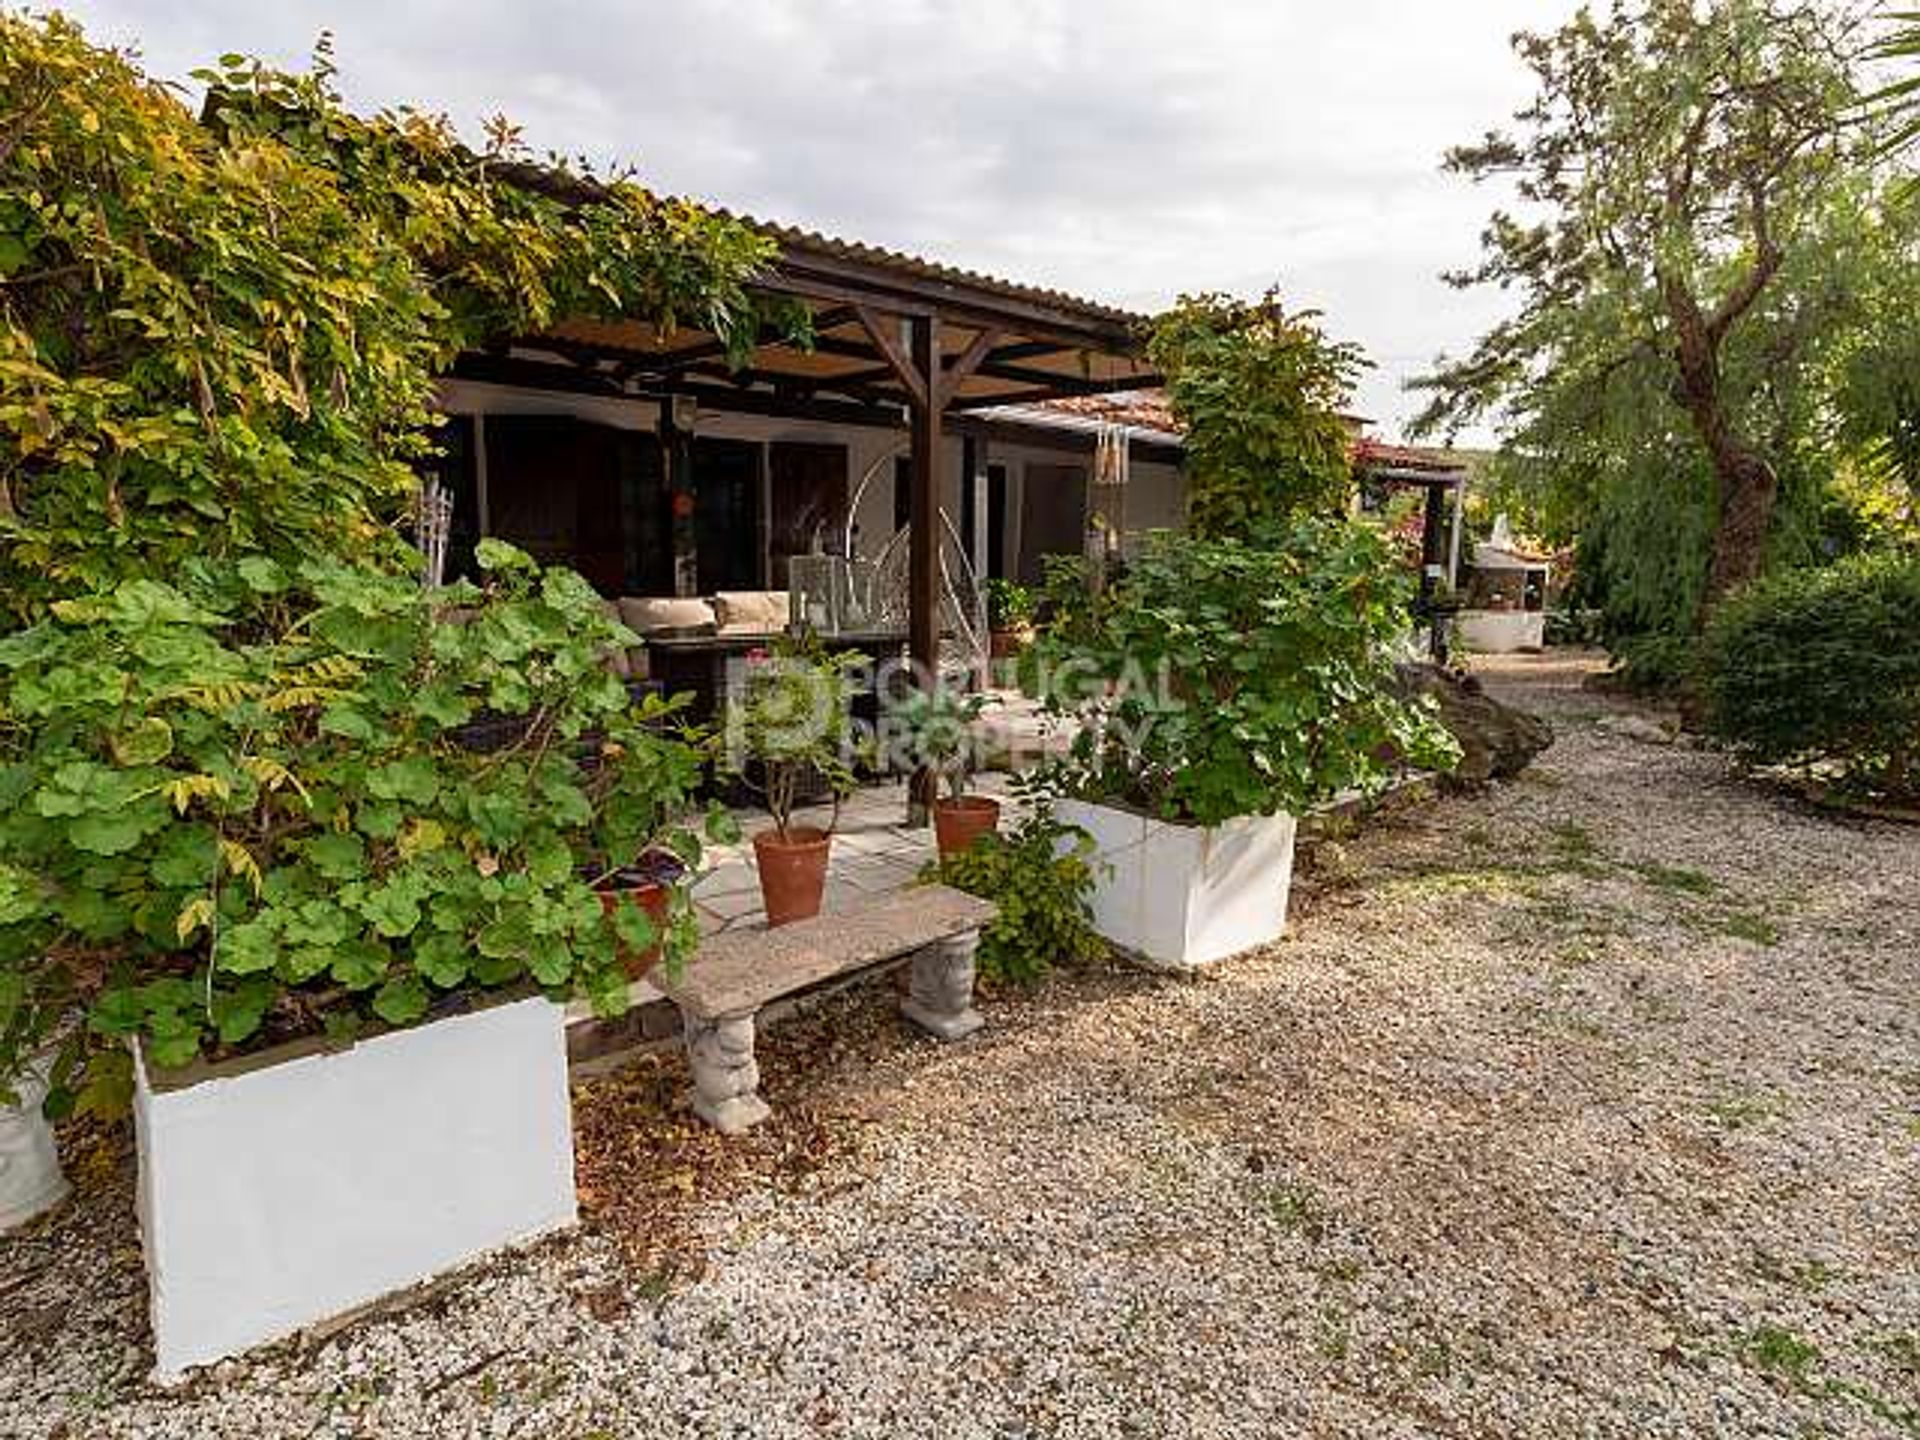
793	872
650	886
958	823
653	899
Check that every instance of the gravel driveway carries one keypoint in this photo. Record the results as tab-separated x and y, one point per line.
1588	1106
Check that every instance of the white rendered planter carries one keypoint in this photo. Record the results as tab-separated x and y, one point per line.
1181	896
1502	632
291	1187
30	1180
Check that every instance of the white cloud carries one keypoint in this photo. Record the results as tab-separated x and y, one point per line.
1124	151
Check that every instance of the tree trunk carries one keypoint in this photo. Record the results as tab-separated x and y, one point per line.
1745	485
1747	489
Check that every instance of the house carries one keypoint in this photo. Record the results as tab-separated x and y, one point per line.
648	463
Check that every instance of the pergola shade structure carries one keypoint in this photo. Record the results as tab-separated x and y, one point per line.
895	338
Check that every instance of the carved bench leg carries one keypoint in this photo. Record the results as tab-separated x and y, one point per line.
940	999
726	1077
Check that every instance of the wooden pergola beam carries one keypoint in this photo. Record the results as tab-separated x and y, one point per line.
958	369
906	368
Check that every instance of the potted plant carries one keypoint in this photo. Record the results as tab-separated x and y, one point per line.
788	725
1219	689
937	730
306	898
647	884
1010	614
644	853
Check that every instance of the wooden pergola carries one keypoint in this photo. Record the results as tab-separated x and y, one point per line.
897	340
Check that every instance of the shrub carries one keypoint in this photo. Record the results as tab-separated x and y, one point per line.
1822	668
1217	678
233	802
226	838
1259	393
1041	887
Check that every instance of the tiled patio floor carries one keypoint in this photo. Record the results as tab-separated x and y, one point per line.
874	851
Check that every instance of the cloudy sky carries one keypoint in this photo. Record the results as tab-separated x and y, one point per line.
1126	150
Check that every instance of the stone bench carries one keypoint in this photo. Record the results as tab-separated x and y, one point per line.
734	974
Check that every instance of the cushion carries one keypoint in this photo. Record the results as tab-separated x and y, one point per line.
751	612
644	615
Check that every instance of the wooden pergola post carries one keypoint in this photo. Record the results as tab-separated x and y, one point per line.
923	626
923	542
930	381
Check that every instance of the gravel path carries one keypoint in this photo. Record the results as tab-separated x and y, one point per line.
1589	1106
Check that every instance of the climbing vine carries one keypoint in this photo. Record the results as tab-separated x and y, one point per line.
221	332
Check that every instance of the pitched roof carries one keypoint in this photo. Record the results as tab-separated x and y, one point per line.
795	240
1369	453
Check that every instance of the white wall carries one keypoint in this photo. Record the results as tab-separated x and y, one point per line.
276	1197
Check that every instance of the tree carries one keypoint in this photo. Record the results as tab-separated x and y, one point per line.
1259	392
1676	159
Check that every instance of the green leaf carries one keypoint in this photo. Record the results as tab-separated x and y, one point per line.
21	895
238	1011
379	819
608	991
121	831
347	722
722	827
186	857
444	959
300	963
338	857
320	922
263	575
83	787
178	1044
117	1011
634	926
147	743
414	780
502	558
551	963
401	1001
549	860
248	949
394	906
359	964
443	705
508	938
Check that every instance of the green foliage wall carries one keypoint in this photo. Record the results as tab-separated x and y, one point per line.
234	801
220	339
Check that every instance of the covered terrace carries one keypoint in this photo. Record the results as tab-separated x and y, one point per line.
899	343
